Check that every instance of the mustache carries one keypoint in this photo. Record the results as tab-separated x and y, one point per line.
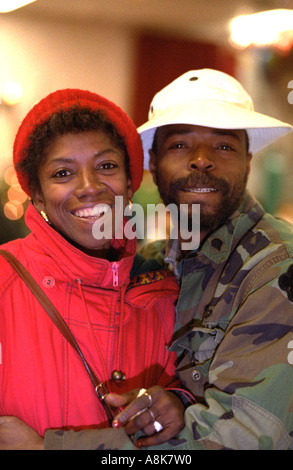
200	180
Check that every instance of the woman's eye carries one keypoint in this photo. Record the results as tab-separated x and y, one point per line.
62	174
107	166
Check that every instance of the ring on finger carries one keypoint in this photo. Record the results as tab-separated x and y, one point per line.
158	427
152	415
149	398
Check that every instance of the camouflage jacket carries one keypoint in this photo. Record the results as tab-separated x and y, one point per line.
234	335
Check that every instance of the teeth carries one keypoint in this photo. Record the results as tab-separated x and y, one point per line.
95	211
100	209
200	190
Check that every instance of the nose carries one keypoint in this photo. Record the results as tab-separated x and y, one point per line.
201	159
88	184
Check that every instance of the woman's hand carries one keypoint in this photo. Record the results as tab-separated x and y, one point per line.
16	435
156	412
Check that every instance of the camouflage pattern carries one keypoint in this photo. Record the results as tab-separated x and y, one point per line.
88	439
234	335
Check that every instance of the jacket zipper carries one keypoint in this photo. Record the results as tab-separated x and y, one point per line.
115	274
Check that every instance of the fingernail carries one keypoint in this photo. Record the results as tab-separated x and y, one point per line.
138	444
116	424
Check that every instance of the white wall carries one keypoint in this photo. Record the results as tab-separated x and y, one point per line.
44	55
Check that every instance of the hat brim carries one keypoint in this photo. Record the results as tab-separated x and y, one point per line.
262	130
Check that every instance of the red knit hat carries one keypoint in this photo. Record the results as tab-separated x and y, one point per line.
63	100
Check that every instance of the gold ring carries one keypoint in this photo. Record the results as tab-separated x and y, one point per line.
149	398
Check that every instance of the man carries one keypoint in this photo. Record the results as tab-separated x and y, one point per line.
235	310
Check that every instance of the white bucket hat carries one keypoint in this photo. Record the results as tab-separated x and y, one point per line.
212	99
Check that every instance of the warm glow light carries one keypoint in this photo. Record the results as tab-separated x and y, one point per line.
11	93
14	199
264	28
10	5
10	177
15	193
13	210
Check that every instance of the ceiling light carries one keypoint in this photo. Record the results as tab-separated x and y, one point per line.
260	29
11	93
10	5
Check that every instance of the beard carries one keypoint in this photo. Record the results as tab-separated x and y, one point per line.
231	197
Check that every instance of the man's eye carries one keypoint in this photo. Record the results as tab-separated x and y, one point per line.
226	147
180	145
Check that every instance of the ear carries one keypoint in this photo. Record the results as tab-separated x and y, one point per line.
153	165
38	200
248	161
130	191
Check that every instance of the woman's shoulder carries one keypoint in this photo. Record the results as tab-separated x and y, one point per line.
17	249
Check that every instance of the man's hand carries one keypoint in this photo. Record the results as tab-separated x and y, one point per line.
16	435
158	413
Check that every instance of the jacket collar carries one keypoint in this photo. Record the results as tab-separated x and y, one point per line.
219	244
73	263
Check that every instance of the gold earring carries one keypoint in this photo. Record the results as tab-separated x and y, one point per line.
130	204
45	217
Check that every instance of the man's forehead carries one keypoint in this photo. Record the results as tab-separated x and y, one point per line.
173	129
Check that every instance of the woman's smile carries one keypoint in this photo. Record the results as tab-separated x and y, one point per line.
91	214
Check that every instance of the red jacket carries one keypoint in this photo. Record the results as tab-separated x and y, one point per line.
42	379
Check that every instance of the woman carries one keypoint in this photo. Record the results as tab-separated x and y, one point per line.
74	153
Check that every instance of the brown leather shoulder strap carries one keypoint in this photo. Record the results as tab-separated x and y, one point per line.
56	318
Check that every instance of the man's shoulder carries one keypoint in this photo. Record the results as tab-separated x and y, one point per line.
277	230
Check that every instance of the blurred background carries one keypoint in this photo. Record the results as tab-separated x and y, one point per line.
127	50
